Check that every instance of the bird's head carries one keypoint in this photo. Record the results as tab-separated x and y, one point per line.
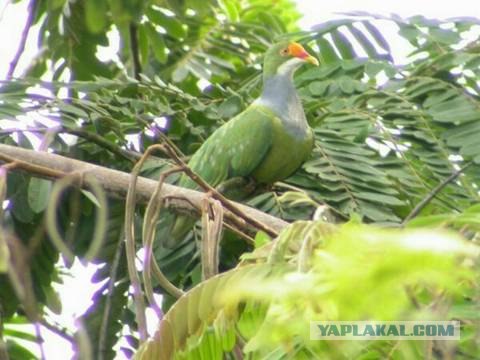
284	58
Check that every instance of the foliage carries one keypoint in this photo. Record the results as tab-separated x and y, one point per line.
386	134
338	274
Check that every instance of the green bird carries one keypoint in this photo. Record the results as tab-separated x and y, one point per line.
267	142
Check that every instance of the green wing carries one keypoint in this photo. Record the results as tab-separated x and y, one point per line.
235	149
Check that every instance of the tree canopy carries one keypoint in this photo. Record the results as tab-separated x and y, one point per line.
396	157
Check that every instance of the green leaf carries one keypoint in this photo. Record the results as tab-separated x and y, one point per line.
230	9
17	351
19	334
180	73
230	107
90	197
327	52
56	4
458	110
96	15
169	23
217	60
471	149
372	68
261	239
476	159
363	41
4	256
343	45
157	44
53	301
379	198
72	109
347	85
143	44
198	69
431	220
444	36
410	33
377	35
38	194
318	88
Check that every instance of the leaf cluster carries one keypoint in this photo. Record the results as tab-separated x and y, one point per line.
386	134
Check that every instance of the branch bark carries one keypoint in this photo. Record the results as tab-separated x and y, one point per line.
137	66
115	183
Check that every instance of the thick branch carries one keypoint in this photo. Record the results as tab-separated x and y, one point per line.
115	183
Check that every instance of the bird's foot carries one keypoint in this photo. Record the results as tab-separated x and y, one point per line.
237	188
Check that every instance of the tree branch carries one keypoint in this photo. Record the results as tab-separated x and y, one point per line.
137	67
115	183
106	316
23	40
421	205
217	195
100	141
129	155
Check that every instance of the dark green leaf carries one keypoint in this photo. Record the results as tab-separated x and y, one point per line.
169	23
343	45
96	15
327	52
38	194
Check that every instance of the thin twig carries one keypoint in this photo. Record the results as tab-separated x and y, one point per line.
82	341
19	274
212	219
129	155
130	250
412	297
31	168
108	300
18	270
234	224
152	213
307	248
421	205
100	141
23	40
101	217
8	131
137	67
58	329
239	233
294	188
166	139
3	347
40	341
3	245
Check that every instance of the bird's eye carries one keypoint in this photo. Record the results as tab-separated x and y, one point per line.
284	52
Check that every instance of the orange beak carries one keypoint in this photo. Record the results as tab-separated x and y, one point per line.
297	50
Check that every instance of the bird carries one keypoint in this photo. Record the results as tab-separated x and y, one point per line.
267	142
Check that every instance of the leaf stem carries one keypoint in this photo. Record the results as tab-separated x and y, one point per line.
421	205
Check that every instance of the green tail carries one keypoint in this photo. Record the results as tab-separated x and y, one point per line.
173	228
